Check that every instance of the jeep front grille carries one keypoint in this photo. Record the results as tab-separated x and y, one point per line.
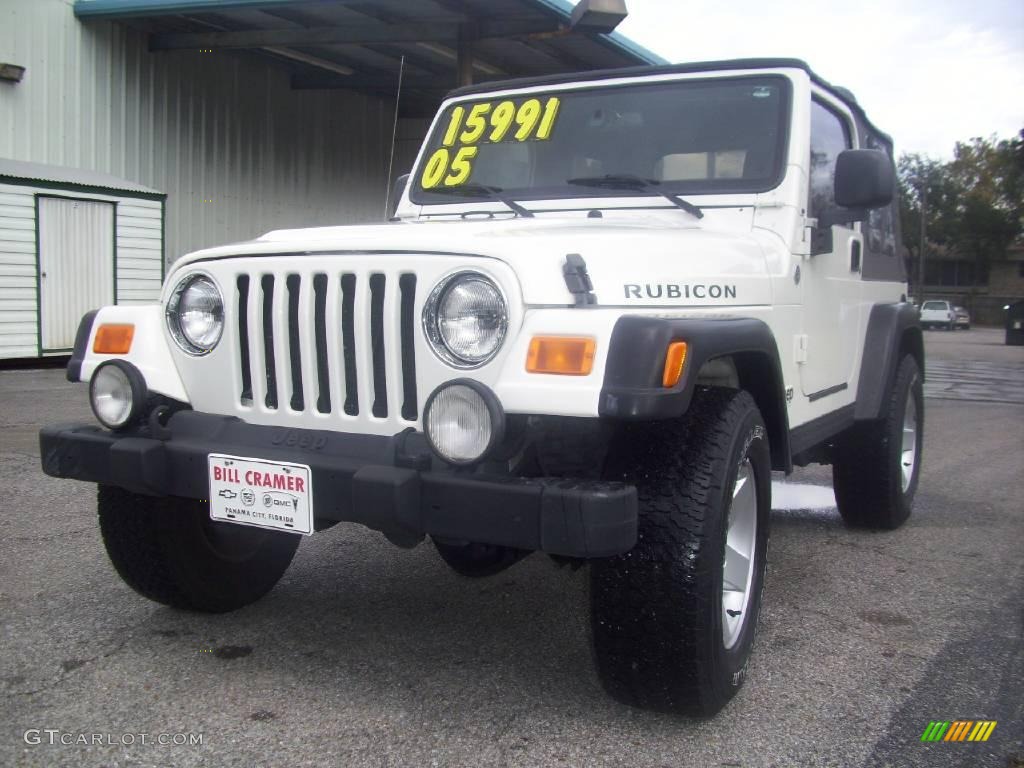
305	339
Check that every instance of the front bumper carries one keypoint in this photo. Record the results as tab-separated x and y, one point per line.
386	483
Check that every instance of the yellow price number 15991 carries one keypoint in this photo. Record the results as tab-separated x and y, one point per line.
490	123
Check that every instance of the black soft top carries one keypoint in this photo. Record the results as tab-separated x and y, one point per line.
698	66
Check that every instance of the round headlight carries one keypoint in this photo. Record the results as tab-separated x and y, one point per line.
195	314
117	393
465	319
463	421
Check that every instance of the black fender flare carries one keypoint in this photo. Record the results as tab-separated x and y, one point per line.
893	330
82	335
632	388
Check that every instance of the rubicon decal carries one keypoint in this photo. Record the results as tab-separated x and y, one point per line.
679	291
958	730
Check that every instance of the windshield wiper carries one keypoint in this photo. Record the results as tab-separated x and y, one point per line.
482	191
635	184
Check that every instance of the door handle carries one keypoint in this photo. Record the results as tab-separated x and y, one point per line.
855	255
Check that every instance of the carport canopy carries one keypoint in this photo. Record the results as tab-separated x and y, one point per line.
359	44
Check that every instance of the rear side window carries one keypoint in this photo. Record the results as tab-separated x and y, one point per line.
880	227
829	136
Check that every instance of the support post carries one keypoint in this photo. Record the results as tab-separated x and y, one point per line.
920	256
464	62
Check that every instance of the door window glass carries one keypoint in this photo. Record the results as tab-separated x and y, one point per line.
829	137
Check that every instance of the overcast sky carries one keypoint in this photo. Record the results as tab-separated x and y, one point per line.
929	72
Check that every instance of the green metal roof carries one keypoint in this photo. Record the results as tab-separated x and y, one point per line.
358	45
122	9
24	172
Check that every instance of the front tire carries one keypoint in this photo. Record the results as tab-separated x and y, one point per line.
673	620
170	551
877	463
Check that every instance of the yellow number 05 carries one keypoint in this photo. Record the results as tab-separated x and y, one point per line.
437	166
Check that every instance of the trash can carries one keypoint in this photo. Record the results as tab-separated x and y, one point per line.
1015	324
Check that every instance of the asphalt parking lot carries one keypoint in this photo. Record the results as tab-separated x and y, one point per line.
366	654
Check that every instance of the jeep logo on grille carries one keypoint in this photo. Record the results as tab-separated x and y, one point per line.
293	438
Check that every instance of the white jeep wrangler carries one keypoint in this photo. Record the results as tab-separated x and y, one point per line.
607	307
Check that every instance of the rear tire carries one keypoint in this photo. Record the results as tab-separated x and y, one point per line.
662	636
169	550
877	464
476	561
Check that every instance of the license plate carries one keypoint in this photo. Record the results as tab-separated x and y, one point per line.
267	494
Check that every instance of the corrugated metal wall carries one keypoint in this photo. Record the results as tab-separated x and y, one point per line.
18	277
237	151
139	268
138	260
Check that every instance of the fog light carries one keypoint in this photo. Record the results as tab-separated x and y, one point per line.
117	393
463	421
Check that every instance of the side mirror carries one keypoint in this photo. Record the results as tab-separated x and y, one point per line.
397	190
865	179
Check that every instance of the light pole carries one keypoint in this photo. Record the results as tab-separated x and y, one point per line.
923	194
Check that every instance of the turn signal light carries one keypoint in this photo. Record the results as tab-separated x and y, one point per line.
566	355
675	359
112	339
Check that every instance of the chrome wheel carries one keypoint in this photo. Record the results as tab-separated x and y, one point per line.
908	456
738	564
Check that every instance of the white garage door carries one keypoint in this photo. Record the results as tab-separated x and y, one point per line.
76	265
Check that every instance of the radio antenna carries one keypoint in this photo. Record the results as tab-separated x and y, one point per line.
394	137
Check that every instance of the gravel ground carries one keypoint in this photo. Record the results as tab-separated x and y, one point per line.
369	655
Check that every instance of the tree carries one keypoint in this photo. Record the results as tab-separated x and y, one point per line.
991	177
919	174
974	203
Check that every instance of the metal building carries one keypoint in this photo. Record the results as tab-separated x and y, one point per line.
71	241
258	114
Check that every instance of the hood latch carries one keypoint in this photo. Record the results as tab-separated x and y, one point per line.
577	280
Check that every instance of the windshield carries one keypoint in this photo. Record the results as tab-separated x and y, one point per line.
934	305
685	136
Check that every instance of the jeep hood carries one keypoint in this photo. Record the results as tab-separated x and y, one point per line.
632	261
